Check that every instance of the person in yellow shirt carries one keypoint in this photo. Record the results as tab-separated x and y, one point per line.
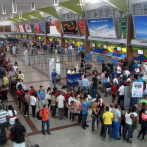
21	76
107	120
6	81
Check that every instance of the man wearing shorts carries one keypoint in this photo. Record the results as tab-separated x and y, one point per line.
41	97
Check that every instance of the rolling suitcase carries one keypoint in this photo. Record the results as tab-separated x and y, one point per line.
30	145
3	137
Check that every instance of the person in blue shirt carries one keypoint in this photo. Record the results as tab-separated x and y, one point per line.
41	97
19	83
54	77
141	79
114	74
84	112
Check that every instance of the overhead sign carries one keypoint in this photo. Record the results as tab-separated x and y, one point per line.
81	24
37	28
28	28
32	27
21	29
102	27
123	26
42	25
55	27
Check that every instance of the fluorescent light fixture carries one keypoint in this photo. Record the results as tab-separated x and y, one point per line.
56	2
20	14
95	1
3	10
14	6
32	5
11	15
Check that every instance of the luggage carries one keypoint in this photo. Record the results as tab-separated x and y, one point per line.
30	145
3	137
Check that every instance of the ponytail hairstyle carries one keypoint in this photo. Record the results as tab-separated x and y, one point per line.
11	108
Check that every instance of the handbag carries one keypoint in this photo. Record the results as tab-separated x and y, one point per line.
30	145
48	96
77	111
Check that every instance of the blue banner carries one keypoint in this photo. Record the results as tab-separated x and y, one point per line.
42	25
102	27
140	23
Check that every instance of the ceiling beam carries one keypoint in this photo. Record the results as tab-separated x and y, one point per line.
35	14
27	17
17	18
13	20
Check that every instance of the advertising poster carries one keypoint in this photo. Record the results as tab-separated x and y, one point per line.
101	27
137	89
37	28
21	29
140	23
24	27
28	28
32	27
42	25
81	24
18	29
1	29
55	27
70	27
7	28
123	26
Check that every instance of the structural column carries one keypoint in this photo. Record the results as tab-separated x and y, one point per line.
62	40
46	31
87	43
129	38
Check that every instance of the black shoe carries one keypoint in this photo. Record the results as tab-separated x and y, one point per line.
118	139
49	133
86	125
84	128
43	133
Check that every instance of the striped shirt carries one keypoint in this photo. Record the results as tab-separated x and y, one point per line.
3	115
53	100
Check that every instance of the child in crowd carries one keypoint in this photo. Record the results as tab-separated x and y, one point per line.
72	110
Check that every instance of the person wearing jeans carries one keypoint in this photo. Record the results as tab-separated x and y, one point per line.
107	120
129	120
54	77
116	122
84	113
33	103
95	112
4	98
44	113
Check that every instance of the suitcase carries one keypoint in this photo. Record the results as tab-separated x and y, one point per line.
3	137
30	145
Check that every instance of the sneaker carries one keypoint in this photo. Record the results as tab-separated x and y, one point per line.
49	133
43	133
118	139
103	138
110	139
86	125
84	128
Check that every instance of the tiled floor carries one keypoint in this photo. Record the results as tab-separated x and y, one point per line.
64	132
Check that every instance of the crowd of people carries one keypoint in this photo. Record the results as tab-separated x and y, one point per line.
60	103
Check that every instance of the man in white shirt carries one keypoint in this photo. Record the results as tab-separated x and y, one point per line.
115	80
60	100
70	71
121	91
126	73
33	103
119	70
145	68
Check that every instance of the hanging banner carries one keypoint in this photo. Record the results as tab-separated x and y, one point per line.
37	28
24	27
137	89
32	27
18	29
123	26
21	28
101	27
55	27
81	24
42	25
28	28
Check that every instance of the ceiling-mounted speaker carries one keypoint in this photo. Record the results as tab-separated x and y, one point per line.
56	2
3	10
11	15
20	14
32	5
14	6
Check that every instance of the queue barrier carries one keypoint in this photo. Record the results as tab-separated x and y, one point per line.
89	56
114	61
63	50
100	58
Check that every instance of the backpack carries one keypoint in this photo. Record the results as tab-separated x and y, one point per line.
38	116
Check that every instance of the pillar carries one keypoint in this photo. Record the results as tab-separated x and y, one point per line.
129	38
87	43
46	31
62	40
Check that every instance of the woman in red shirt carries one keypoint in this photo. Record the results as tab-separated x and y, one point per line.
114	90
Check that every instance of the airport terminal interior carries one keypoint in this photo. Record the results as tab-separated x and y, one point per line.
73	73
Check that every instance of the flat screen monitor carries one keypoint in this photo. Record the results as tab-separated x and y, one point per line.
119	49
101	27
70	27
140	52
